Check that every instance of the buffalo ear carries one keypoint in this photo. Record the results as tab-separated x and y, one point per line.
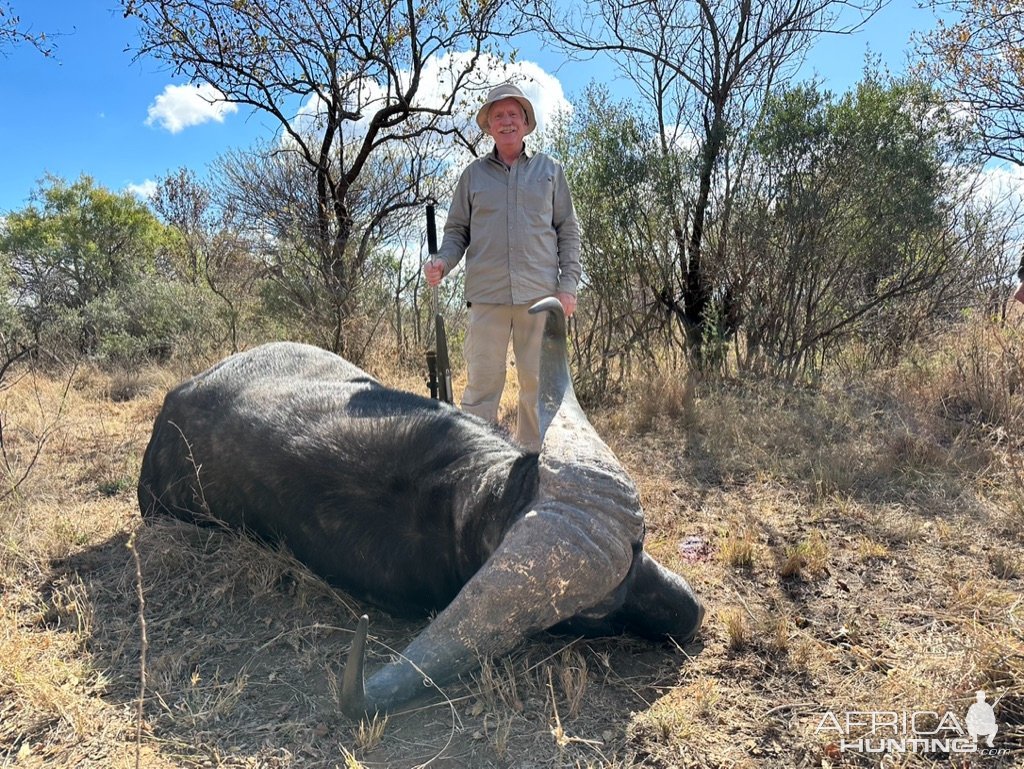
660	603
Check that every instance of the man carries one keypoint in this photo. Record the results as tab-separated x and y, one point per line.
513	219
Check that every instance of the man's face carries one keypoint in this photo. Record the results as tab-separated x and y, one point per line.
506	122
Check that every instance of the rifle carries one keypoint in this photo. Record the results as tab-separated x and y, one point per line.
439	370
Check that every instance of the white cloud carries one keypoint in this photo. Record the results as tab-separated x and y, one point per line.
182	106
146	190
999	182
682	138
435	90
543	90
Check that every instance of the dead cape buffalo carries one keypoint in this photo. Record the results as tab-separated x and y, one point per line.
412	505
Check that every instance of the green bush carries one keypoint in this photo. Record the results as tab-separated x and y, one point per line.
152	319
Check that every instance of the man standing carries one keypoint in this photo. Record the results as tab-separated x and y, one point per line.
513	219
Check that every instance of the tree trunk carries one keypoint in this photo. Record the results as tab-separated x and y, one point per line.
696	294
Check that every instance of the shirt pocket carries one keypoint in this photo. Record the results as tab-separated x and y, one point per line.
487	198
536	199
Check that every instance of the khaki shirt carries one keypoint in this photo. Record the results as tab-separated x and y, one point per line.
517	228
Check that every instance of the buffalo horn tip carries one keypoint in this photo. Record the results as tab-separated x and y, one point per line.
353	696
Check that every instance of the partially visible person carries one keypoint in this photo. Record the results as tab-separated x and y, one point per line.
512	217
1019	294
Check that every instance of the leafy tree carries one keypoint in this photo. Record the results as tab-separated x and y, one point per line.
702	67
15	338
847	225
152	320
211	248
975	55
622	190
72	245
363	69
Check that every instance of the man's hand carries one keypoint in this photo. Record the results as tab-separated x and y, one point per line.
434	271
568	302
1019	296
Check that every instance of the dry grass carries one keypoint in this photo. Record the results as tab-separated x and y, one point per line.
739	549
858	546
808	558
737	629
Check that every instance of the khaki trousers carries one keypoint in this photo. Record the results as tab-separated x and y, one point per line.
486	349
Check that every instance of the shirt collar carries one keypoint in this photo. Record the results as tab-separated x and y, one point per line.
525	153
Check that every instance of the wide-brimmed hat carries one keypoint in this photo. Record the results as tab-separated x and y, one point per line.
506	91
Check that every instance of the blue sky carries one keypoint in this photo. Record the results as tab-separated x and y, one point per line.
91	109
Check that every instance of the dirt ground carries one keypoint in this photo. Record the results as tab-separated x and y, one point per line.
858	546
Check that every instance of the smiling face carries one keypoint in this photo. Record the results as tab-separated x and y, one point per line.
506	123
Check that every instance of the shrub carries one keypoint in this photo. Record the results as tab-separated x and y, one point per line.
152	319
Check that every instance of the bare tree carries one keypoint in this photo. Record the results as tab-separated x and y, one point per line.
974	55
701	66
14	32
211	248
345	82
269	190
